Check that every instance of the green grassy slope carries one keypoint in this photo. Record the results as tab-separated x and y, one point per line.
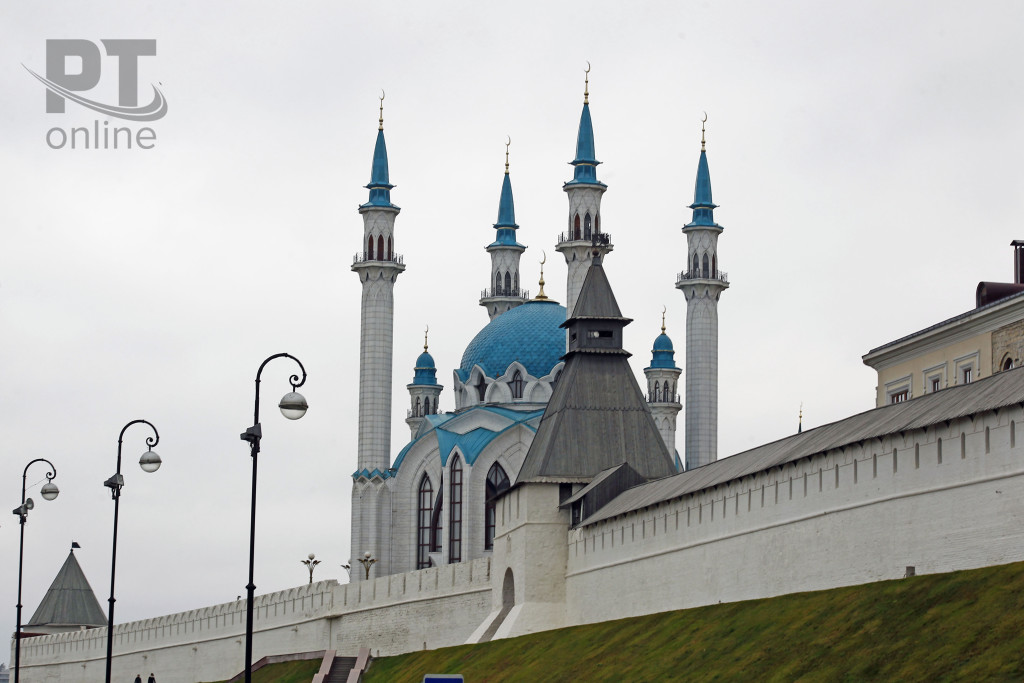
965	625
287	672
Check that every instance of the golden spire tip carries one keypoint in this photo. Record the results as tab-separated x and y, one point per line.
541	296
425	339
663	309
380	121
702	131
509	142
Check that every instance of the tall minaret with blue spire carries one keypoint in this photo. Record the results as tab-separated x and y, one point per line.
378	266
702	284
583	233
503	292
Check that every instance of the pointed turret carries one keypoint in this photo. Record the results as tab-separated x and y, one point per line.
584	191
662	389
503	292
379	187
69	604
702	284
424	390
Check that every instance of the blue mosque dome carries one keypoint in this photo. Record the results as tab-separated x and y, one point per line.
426	372
663	355
528	333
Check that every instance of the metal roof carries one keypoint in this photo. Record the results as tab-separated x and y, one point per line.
997	391
528	333
69	601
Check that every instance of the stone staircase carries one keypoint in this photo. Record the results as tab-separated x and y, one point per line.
340	670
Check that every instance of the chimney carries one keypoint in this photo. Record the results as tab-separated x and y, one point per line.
1018	261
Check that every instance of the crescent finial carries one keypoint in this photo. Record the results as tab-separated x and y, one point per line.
705	120
663	311
544	258
541	296
427	332
507	143
586	84
380	121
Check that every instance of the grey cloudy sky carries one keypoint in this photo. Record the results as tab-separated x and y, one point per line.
865	157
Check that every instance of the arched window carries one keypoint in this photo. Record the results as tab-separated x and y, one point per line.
516	384
515	283
597	223
508	282
426	406
424	514
380	247
416	412
481	389
706	272
586	227
435	519
369	247
455	511
497	483
714	266
696	267
389	248
657	391
576	228
497	284
1008	364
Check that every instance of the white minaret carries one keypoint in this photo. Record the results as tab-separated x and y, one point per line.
702	284
584	228
663	389
377	266
503	292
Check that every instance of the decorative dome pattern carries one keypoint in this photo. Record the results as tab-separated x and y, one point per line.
663	355
529	333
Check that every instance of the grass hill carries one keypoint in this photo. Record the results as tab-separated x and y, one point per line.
966	625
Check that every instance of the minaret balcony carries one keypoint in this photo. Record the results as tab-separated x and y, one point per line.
714	276
662	398
603	238
505	293
366	257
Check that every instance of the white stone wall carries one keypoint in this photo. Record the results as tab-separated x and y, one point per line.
401	613
843	517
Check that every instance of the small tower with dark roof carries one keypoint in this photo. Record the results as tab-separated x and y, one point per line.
663	389
424	390
503	292
69	605
584	192
702	283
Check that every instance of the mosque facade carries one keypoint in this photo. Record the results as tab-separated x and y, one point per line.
433	503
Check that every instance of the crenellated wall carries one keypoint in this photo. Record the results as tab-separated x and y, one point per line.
392	613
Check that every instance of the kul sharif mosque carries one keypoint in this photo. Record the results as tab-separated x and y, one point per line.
434	502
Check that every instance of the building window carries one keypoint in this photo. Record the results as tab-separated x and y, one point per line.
455	512
967	373
497	483
417	411
508	282
900	396
1008	364
714	266
597	223
936	384
481	389
706	272
586	227
369	247
426	509
696	266
517	384
380	247
657	392
389	249
426	406
576	228
435	519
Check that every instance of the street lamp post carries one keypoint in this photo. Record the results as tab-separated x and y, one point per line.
149	462
293	406
367	561
311	564
49	491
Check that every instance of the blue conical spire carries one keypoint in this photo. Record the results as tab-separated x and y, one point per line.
586	158
703	207
506	225
380	187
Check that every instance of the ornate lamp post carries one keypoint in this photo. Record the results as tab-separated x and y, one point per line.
149	462
293	406
311	563
367	561
49	491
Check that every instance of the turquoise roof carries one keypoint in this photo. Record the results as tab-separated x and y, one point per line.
663	355
703	207
471	443
506	207
380	186
528	333
425	372
586	158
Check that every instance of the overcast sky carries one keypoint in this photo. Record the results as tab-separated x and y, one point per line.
866	157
